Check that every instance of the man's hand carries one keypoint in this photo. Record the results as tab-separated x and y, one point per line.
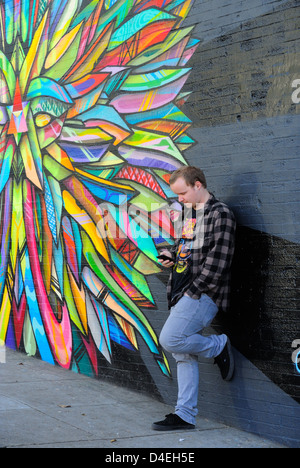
166	263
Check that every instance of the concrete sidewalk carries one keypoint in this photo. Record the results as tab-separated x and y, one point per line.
42	406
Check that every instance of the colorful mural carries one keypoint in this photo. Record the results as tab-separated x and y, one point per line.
91	128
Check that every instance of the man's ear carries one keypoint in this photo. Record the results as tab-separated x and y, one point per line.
198	185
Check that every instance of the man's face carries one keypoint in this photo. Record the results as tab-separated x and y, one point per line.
187	194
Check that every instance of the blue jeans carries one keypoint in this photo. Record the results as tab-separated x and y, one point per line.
182	336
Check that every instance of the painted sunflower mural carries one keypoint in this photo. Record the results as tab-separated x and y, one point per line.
91	128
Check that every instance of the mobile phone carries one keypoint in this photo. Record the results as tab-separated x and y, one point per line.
164	257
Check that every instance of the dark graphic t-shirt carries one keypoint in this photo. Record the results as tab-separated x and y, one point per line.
182	268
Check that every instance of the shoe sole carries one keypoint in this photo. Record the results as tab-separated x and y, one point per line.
172	428
231	366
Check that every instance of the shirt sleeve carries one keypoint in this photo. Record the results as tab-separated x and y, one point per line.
217	263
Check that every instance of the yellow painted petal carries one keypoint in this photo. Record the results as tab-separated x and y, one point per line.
99	180
64	22
79	300
31	56
4	314
70	302
82	218
61	47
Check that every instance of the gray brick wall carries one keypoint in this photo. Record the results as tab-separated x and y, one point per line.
247	132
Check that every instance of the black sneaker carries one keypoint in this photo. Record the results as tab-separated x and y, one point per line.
225	361
172	423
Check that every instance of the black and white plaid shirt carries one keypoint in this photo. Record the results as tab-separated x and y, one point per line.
212	254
